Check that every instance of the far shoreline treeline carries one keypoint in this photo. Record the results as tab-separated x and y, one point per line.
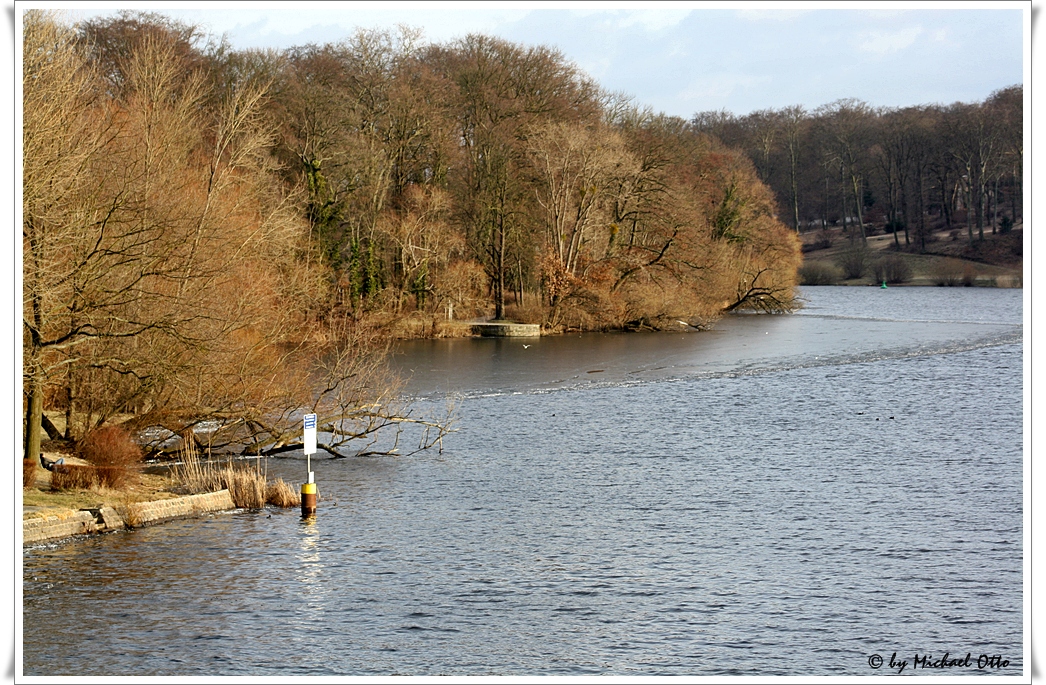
910	171
226	238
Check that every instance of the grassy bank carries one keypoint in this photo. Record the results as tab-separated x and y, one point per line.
39	499
831	259
75	485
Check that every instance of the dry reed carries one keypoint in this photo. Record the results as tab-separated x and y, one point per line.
132	515
279	494
246	484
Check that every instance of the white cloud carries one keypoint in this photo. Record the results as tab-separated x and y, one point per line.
712	90
770	15
597	68
883	42
653	19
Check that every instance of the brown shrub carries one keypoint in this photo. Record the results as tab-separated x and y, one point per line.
132	514
969	276
115	455
532	312
818	273
73	477
948	272
892	269
246	485
853	261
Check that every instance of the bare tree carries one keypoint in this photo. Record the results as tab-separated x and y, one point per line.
976	146
794	123
893	154
162	272
1006	108
845	123
922	123
59	139
503	90
579	168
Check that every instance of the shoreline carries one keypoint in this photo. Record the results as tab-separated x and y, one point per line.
949	261
58	525
81	511
946	264
442	329
50	516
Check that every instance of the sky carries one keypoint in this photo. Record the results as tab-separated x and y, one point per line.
685	57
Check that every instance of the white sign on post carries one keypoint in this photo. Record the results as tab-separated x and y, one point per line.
310	434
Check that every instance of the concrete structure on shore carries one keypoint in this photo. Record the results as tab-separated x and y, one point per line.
105	518
505	329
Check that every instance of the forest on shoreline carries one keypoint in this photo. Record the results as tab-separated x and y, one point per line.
908	171
225	239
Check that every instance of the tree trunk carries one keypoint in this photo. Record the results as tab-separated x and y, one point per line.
35	382
995	205
969	214
842	201
969	222
824	213
858	202
906	210
499	268
922	215
519	276
52	430
899	197
945	205
795	194
70	398
1013	196
34	411
893	195
980	211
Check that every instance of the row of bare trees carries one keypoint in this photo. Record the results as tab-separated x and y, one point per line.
212	237
910	169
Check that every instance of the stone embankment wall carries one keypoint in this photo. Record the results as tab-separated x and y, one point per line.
40	529
107	518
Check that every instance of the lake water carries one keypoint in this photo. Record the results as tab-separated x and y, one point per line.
782	495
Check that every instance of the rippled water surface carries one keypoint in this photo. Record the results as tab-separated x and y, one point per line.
779	496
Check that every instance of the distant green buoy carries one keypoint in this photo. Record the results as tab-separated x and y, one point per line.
883	286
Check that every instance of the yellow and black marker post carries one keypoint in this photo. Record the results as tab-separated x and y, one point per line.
308	497
309	491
